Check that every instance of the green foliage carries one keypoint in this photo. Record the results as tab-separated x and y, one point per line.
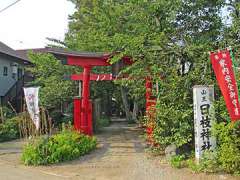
167	45
228	136
102	122
231	32
49	75
226	157
9	130
67	145
177	161
7	112
192	165
66	119
56	115
161	43
174	115
209	162
129	27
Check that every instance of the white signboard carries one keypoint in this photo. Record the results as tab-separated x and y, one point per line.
203	97
31	96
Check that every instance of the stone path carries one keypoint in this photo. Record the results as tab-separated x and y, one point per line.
120	156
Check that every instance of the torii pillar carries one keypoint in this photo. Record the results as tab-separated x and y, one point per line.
150	109
85	124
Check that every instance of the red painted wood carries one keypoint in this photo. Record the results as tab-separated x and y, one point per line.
85	98
77	113
93	77
150	108
127	60
148	85
90	127
79	61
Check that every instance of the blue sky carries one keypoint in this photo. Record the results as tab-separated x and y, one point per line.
29	22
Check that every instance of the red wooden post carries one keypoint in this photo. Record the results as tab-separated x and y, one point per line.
77	113
90	127
85	99
150	110
148	85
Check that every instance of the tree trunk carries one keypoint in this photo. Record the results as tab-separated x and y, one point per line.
109	105
135	111
126	104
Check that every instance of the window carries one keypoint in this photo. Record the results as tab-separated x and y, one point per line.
5	71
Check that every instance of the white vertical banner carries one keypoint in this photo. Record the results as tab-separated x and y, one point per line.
31	96
203	97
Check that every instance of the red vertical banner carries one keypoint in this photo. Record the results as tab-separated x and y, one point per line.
223	68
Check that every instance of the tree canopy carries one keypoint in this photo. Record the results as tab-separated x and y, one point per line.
49	75
168	41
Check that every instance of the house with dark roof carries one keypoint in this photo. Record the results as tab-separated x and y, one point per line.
11	76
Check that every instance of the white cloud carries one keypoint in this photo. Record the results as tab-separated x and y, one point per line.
29	22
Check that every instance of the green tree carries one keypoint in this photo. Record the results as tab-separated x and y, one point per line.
198	28
49	74
128	27
164	39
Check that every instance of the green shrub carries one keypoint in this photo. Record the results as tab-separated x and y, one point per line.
67	145
228	138
192	165
226	157
209	162
174	112
7	112
177	161
9	130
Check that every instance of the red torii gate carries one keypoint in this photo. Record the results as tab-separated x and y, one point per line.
83	106
81	122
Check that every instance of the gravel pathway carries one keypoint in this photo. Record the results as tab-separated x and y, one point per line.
120	155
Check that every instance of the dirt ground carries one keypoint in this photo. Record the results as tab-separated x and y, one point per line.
120	155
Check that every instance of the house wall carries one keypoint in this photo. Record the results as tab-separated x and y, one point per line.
6	82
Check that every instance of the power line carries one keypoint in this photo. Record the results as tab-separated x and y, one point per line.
10	5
